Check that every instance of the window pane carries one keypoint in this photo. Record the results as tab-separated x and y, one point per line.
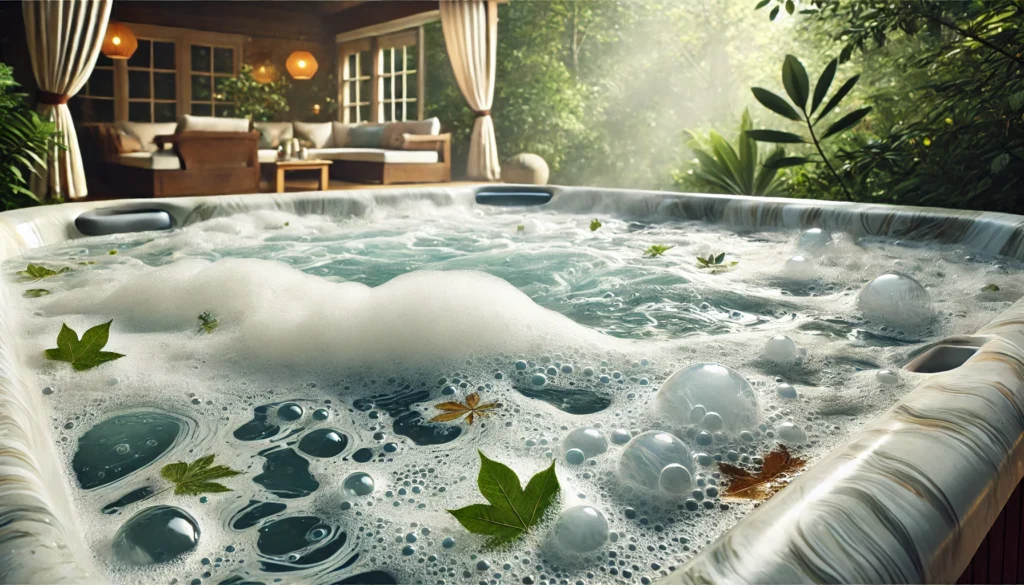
163	55
351	67
387	87
89	110
164	86
224	60
139	112
225	110
104	61
201	88
364	113
141	56
399	93
353	114
202	109
410	58
165	112
410	86
138	84
387	60
200	58
364	91
400	59
101	83
365	63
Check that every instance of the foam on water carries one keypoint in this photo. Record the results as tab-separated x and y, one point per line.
337	338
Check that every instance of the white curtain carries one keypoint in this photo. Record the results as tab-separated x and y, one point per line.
471	36
64	40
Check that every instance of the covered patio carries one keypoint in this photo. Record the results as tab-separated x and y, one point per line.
115	73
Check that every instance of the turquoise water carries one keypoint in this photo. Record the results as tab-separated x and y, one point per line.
320	390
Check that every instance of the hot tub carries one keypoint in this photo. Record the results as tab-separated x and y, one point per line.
909	497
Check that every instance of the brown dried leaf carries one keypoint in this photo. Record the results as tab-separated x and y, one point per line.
447	416
472	409
778	466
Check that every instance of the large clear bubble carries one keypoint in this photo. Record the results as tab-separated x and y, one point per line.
646	456
716	388
814	240
586	439
800	268
581	529
895	299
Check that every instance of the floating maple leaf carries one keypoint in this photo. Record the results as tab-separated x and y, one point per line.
775	472
470	409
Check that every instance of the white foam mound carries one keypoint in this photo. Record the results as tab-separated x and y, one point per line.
268	311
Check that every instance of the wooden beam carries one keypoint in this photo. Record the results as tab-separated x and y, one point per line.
258	19
368	14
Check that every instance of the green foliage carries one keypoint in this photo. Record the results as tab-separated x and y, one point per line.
657	250
193	479
595	224
35	293
739	170
34	272
798	87
716	262
207	323
26	141
257	101
321	91
85	353
512	510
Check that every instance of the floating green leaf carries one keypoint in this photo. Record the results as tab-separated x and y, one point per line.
657	250
85	353
990	288
595	224
192	479
112	253
36	272
520	228
207	322
35	293
512	510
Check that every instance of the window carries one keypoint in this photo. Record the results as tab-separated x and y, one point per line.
152	83
357	67
209	68
398	95
95	102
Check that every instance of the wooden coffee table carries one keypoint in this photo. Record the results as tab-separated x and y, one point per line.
301	165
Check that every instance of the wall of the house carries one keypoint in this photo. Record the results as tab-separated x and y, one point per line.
14	47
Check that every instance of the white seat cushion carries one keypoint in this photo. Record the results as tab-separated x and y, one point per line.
146	131
376	155
266	155
190	123
157	161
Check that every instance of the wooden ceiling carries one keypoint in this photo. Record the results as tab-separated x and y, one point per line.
308	20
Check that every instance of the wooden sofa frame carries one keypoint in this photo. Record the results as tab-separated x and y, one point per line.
392	173
212	163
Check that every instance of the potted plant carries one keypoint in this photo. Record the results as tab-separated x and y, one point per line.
26	141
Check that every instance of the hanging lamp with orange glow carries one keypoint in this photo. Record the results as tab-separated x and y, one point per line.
264	72
120	42
301	65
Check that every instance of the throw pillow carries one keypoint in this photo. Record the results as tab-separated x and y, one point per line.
127	143
273	134
319	133
365	136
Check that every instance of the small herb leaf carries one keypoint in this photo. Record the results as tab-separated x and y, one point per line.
471	409
719	258
36	272
595	224
192	479
85	353
657	250
35	293
207	322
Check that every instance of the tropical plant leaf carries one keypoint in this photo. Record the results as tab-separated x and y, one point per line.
794	79
207	322
512	510
847	121
85	353
787	161
776	136
773	13
193	479
35	272
775	103
824	83
471	409
837	97
777	469
719	258
762	4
